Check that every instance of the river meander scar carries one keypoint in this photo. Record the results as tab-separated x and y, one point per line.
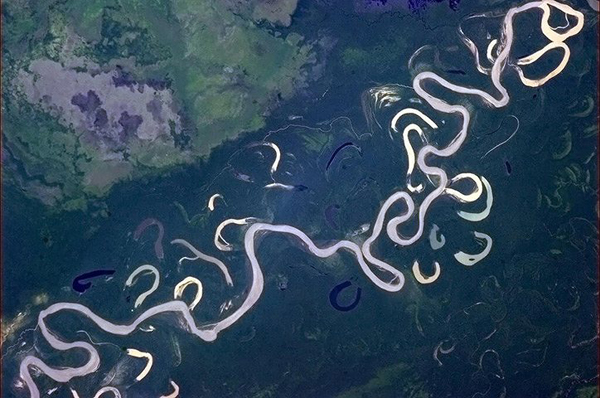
388	277
147	268
205	257
158	248
181	286
211	201
140	354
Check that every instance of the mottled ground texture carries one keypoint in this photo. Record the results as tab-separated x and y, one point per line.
105	91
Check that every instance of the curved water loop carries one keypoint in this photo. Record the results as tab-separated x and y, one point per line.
175	392
115	392
149	361
211	201
148	222
435	242
489	201
181	286
204	257
147	268
422	279
471	259
381	273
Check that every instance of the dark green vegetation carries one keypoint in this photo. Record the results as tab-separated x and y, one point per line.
522	322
